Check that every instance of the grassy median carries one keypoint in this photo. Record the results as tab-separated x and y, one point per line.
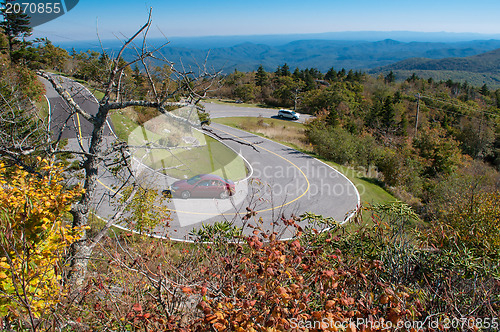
292	134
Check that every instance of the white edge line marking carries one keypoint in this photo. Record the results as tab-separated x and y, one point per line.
97	102
337	171
50	110
251	173
236	152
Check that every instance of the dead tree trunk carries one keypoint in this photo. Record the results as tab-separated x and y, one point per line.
93	158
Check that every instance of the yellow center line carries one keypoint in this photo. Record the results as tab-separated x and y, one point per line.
274	153
79	128
225	214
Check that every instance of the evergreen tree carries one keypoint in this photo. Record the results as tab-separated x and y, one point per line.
331	75
16	27
350	76
278	71
413	78
484	90
341	74
297	74
390	78
260	76
403	125
309	81
388	113
285	70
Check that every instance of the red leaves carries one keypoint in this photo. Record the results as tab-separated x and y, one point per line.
137	314
249	304
255	243
295	245
328	274
137	307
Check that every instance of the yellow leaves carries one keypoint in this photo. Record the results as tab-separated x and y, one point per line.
477	225
4	265
33	209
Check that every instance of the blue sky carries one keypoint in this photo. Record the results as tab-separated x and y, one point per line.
240	17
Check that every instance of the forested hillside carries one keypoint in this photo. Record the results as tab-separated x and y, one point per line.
488	62
477	69
305	53
415	133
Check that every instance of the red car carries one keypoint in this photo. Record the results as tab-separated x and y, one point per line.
203	185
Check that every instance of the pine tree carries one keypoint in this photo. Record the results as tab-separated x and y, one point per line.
484	90
341	74
388	113
297	74
390	78
331	75
260	76
285	70
16	27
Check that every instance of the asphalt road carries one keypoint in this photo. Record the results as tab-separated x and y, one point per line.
282	182
217	110
61	117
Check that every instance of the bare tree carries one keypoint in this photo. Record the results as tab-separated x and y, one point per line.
191	86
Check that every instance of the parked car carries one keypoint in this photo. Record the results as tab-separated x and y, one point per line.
287	114
203	185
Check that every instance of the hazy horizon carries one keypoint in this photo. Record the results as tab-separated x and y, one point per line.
223	18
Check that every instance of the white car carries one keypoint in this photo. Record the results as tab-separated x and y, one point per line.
287	114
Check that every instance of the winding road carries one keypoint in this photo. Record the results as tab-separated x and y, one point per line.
282	181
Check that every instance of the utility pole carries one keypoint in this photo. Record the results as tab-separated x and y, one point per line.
418	110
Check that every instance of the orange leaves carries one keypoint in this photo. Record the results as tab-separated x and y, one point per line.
347	301
351	327
295	245
255	243
328	274
187	290
330	304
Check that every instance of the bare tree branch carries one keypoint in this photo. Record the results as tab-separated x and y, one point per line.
113	219
66	96
219	137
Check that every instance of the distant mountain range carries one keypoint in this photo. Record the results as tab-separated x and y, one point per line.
476	69
322	54
322	51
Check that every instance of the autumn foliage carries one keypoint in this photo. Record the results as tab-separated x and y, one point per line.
372	278
33	239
